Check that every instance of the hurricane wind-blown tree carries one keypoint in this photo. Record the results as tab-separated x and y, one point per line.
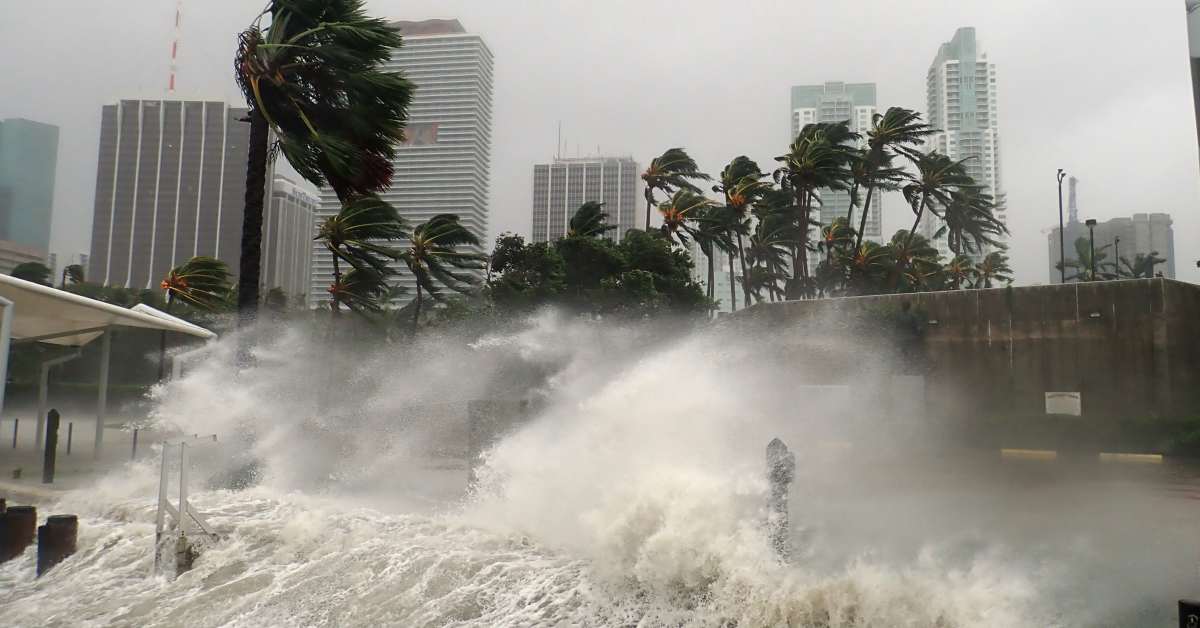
671	171
36	272
72	274
897	131
435	256
969	222
1142	266
200	282
312	73
993	267
936	179
589	221
1081	264
677	214
742	185
959	271
359	235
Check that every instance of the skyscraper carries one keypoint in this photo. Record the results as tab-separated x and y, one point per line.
1128	237
28	161
839	102
961	95
559	188
288	230
170	185
444	166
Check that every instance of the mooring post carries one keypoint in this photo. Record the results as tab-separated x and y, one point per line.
16	424
1189	614
70	433
51	455
133	455
781	470
18	526
57	539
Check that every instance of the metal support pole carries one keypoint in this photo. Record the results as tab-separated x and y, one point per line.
102	396
183	504
50	457
160	519
16	424
43	393
6	322
70	433
1062	250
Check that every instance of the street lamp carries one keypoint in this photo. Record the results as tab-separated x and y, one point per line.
1062	249
1091	225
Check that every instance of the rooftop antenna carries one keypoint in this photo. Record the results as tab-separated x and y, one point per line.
175	46
558	146
1073	208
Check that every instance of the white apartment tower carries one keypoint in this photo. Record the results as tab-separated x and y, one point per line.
287	239
839	102
961	94
444	166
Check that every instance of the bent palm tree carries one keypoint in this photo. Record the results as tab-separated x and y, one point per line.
72	274
363	290
671	171
201	282
589	221
936	178
355	233
742	186
898	131
35	272
960	271
433	255
314	77
993	267
683	207
969	222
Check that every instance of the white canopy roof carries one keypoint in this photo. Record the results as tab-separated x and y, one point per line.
58	317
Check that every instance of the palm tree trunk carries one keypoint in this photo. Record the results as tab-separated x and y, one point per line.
337	279
902	266
649	202
742	257
252	218
862	227
732	286
712	278
853	202
417	309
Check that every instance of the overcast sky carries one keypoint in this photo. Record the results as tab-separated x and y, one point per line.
1099	87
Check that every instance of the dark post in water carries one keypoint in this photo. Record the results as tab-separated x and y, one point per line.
18	525
57	540
781	469
51	455
1189	614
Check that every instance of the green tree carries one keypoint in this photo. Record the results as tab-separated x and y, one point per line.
742	186
528	275
897	131
589	221
35	272
671	171
435	256
363	290
936	179
1142	266
1081	265
313	75
915	262
72	274
770	243
202	283
969	221
359	235
993	267
960	272
678	213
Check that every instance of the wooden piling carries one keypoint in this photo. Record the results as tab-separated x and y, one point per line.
51	455
16	425
70	433
57	540
18	527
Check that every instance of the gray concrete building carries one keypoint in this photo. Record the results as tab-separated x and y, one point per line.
170	185
289	225
1126	236
28	162
560	187
444	166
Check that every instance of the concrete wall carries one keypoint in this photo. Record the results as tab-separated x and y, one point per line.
1132	348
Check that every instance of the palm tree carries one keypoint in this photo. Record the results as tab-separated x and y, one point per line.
589	221
356	235
201	282
742	186
671	171
960	271
868	266
818	159
363	290
711	233
433	254
1142	266
969	221
836	239
937	177
314	77
73	274
915	261
1082	264
772	240
994	266
897	131
35	272
678	212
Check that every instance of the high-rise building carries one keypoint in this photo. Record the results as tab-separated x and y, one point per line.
170	185
961	96
839	102
1127	237
725	291
288	230
560	187
28	161
444	166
